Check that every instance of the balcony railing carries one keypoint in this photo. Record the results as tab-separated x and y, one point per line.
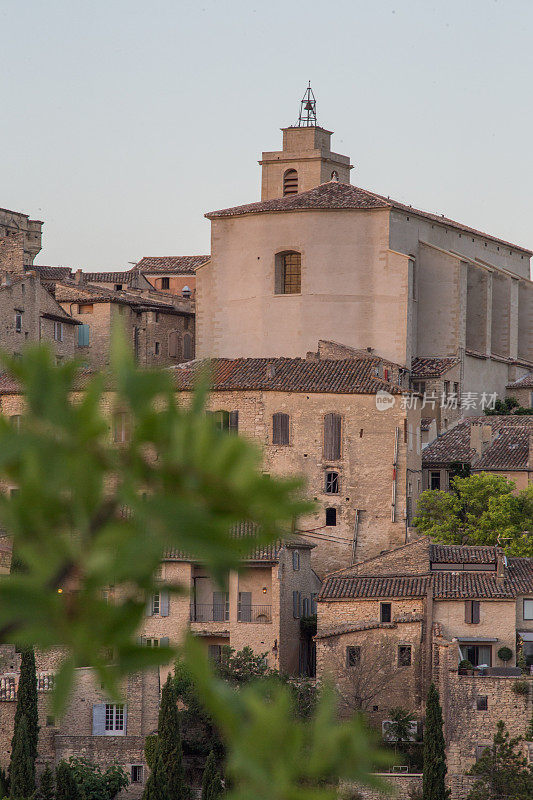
257	614
209	612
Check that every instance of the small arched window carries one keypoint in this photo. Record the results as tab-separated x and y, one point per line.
290	182
188	347
334	175
288	273
280	428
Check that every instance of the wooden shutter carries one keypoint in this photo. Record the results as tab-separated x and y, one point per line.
219	606
280	428
164	603
475	612
234	421
99	719
125	728
141	641
332	437
245	606
149	612
468	611
164	642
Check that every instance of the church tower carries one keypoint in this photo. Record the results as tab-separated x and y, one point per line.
306	159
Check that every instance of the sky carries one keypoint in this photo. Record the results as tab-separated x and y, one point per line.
123	122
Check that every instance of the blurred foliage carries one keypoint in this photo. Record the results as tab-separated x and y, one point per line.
90	514
479	510
95	784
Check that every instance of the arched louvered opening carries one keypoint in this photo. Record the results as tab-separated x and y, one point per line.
290	182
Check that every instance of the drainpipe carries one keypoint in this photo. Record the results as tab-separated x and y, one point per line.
355	532
394	476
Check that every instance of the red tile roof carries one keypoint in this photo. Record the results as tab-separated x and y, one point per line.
462	554
509	451
454	445
180	265
432	367
344	376
360	586
336	195
72	292
351	627
126	276
525	382
51	273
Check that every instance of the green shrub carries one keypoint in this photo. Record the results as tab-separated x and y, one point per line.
505	654
150	749
521	688
465	664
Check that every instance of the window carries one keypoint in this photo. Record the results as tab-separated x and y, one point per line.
478	654
385	612
480	749
280	428
165	283
404	655
18	322
332	437
58	331
137	773
156	348
482	702
50	722
214	651
295	560
85	308
114	717
290	182
288	273
472	611
434	480
419	386
314	596
296	605
84	335
188	347
226	420
332	482
456	389
528	609
174	345
121	427
353	656
156	603
118	288
331	516
446	389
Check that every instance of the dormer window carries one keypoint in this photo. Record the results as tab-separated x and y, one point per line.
288	273
290	182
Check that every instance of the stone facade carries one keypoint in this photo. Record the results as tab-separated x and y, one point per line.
13	223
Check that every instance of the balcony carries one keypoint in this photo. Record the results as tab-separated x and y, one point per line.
256	614
209	612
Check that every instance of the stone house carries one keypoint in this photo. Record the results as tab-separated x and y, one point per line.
318	258
499	444
159	332
93	727
522	390
14	223
260	606
438	382
390	625
322	418
171	274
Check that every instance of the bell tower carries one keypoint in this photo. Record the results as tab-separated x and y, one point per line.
306	159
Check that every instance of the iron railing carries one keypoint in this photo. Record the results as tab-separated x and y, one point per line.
257	614
209	612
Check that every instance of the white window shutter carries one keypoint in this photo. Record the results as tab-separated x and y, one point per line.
163	642
149	602
125	732
99	719
164	603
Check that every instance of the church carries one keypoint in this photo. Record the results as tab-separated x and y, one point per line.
318	258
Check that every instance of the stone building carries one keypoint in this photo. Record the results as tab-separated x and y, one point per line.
499	444
322	418
260	606
93	727
318	258
390	625
522	390
171	274
14	222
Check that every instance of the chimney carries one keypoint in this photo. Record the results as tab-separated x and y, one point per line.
78	277
501	565
480	437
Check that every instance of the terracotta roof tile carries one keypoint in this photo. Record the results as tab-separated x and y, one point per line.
461	554
126	276
351	627
432	367
336	195
454	445
343	376
510	450
51	273
525	382
181	265
70	291
360	586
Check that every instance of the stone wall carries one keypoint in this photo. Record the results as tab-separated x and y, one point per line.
399	787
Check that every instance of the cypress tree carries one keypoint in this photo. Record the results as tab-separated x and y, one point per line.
210	771
22	766
46	787
156	788
4	783
66	786
169	738
433	786
27	698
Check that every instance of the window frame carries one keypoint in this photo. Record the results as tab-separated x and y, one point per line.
472	612
290	182
482	702
332	482
281	432
58	331
332	439
288	282
433	476
353	656
527	600
402	661
331	512
382	606
115	719
295	560
139	771
18	321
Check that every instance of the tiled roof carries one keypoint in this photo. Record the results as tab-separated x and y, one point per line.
432	367
510	450
109	277
360	586
181	265
351	627
69	291
335	195
454	445
343	376
525	382
51	273
464	585
459	554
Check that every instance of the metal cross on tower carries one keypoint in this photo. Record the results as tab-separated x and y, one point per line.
307	118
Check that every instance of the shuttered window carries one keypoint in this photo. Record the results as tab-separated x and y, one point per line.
188	347
84	335
174	345
332	437
292	273
290	182
280	428
472	612
296	605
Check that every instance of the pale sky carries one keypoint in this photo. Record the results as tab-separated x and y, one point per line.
123	122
